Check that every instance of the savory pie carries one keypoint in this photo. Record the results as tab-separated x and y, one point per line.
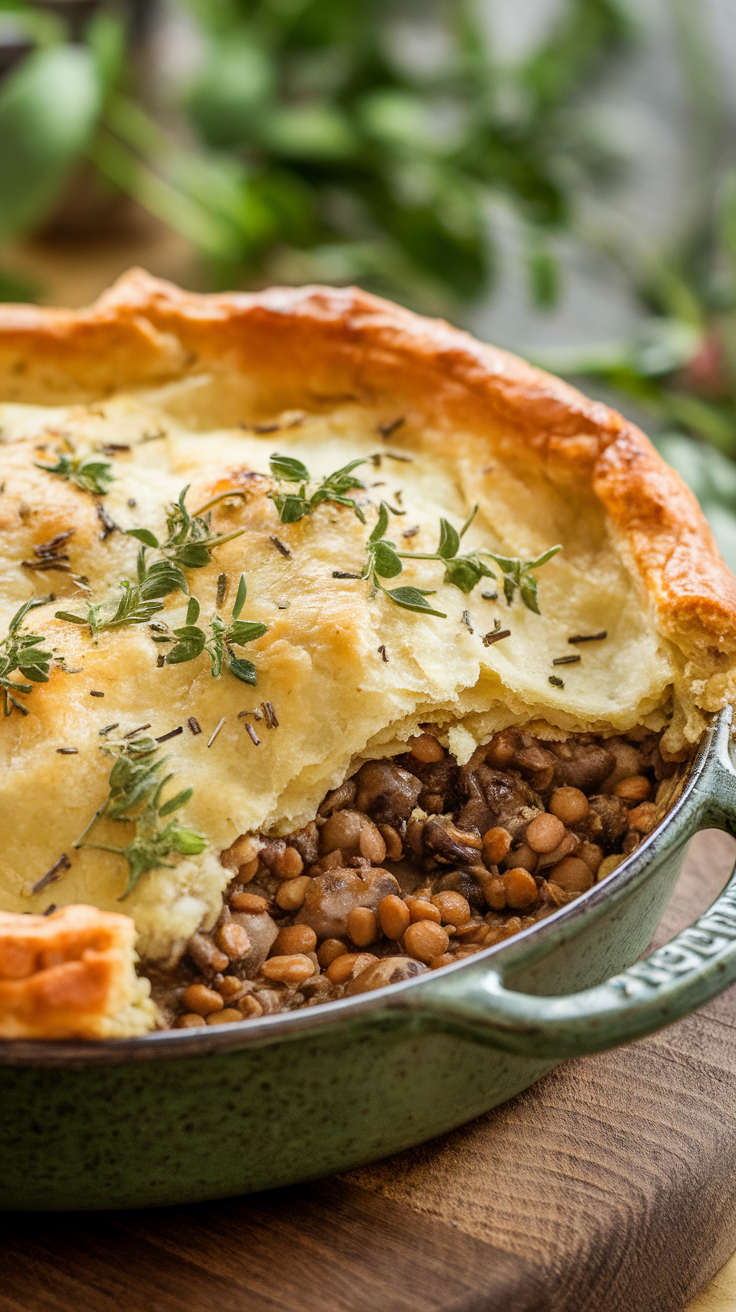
271	641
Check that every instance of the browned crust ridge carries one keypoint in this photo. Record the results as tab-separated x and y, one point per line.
317	344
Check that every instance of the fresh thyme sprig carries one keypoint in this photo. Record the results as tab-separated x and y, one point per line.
88	472
190	539
20	651
135	798
193	640
293	506
138	602
383	559
464	572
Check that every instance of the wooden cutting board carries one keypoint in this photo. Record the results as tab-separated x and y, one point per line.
608	1187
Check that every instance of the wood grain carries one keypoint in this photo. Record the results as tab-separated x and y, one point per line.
608	1187
322	1248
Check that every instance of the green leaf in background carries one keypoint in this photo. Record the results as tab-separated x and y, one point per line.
48	111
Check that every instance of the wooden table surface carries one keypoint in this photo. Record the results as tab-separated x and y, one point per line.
608	1187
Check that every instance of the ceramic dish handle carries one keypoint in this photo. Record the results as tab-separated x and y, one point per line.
673	981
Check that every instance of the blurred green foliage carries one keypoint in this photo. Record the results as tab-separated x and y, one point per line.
310	127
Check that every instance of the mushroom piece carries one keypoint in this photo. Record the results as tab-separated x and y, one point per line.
386	792
331	897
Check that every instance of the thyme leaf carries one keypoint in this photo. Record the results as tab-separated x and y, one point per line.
190	540
134	797
19	651
383	559
193	640
293	506
88	472
465	572
138	601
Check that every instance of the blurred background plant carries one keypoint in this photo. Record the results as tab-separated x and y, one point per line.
390	143
316	139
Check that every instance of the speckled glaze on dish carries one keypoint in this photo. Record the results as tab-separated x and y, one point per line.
181	1115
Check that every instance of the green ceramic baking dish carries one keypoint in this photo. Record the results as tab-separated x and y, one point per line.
180	1116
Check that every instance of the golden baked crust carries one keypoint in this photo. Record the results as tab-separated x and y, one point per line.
314	345
70	975
191	387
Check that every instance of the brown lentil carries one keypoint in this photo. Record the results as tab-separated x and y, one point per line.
342	968
523	858
394	845
634	789
251	902
394	916
288	864
494	891
496	844
572	875
329	951
200	999
294	938
230	987
421	908
520	888
225	1017
292	969
234	940
425	940
363	926
570	805
454	909
292	893
544	833
426	748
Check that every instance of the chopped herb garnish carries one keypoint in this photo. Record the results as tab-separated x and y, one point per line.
108	524
63	863
293	506
20	651
68	751
556	681
252	734
133	733
49	554
280	547
190	540
384	653
194	725
192	640
589	637
88	472
135	798
390	426
495	636
94	693
566	660
216	730
270	715
221	590
173	733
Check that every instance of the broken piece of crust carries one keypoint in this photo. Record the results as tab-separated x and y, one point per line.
71	975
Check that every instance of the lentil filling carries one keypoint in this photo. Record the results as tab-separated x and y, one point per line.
413	863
